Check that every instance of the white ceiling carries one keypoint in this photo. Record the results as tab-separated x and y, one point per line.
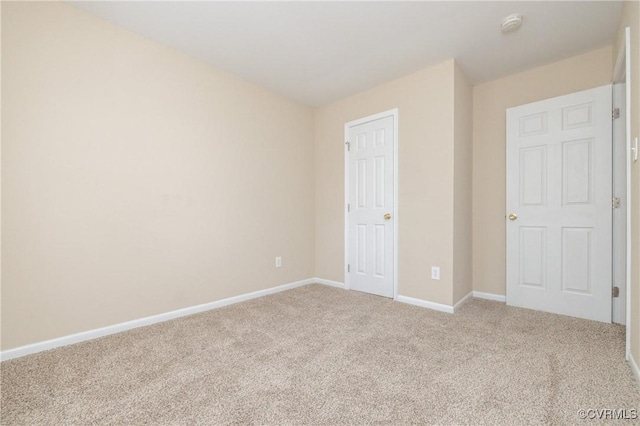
318	52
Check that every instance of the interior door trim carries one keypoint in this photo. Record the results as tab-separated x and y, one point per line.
622	72
347	126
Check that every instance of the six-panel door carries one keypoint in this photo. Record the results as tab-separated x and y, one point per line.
559	186
371	230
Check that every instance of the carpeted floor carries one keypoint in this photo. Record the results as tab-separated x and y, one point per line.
322	356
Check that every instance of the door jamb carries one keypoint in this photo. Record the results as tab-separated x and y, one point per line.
622	72
619	240
347	126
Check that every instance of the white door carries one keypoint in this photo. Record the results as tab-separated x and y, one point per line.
370	204
559	205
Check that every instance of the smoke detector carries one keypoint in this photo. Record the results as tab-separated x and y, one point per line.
511	23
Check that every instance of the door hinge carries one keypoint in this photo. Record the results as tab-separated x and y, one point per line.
615	291
348	145
615	203
348	268
348	207
615	113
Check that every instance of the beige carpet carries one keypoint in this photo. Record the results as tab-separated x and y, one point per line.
323	356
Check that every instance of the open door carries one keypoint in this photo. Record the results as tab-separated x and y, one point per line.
559	205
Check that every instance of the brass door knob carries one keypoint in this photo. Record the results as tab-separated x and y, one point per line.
387	216
513	216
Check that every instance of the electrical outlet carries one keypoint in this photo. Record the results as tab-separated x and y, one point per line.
435	273
278	262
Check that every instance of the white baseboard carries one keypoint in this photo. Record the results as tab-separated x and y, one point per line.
462	301
117	328
450	309
490	296
634	367
330	283
425	304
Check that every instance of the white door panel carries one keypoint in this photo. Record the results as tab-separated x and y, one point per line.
371	185
559	187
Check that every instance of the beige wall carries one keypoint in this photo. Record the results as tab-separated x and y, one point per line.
425	101
136	180
490	100
631	18
462	187
118	154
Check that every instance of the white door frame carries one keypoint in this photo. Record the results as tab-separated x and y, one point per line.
622	73
347	126
619	221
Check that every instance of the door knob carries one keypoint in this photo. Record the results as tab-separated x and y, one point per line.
513	216
387	216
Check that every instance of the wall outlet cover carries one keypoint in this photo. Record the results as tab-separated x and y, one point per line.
435	273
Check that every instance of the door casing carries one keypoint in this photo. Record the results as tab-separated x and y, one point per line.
622	73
